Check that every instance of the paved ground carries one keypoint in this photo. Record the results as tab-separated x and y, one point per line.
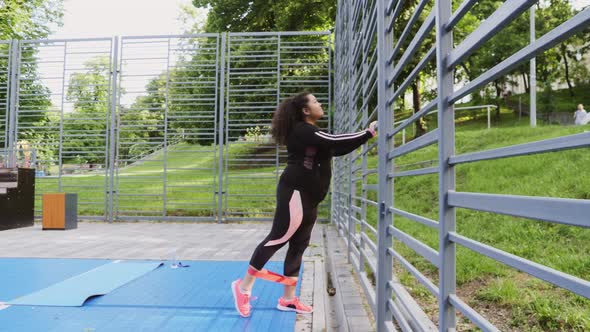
346	311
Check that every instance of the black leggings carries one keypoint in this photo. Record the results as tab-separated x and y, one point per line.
293	222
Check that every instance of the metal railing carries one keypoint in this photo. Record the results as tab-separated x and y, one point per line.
379	54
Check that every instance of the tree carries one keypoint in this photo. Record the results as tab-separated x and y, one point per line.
551	14
86	124
267	15
32	19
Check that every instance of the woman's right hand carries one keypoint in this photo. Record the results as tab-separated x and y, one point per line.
373	127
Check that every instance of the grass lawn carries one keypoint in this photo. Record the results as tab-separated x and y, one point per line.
508	298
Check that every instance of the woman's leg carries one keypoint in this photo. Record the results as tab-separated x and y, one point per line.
287	219
297	245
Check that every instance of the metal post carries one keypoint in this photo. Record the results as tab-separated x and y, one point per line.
165	148
14	77
489	121
385	183
350	111
446	147
221	128
61	117
533	78
112	147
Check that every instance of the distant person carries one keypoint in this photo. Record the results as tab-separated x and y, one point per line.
581	117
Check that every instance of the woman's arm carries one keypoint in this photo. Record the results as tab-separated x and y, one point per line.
340	144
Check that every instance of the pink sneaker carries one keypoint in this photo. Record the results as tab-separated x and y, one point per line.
294	305
241	301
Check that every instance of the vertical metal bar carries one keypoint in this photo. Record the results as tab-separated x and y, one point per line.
61	117
533	74
7	108
446	147
226	119
12	122
117	125
112	146
385	186
109	126
220	143
165	147
348	125
216	140
489	120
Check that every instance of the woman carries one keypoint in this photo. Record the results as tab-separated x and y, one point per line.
581	116
302	186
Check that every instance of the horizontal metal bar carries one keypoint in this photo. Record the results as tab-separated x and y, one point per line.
417	11
418	143
509	10
422	249
459	13
369	242
558	278
400	319
421	171
475	317
413	47
280	33
188	36
550	39
394	15
51	41
402	88
432	105
560	210
548	145
415	272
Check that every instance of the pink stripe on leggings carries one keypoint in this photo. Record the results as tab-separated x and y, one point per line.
296	217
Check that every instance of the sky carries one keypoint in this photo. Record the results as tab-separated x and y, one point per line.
109	18
106	18
578	4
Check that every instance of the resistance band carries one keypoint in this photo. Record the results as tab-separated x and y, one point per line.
271	276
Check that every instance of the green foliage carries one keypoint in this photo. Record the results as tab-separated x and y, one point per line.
86	124
265	15
31	19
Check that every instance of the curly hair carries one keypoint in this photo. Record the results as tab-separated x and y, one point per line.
287	115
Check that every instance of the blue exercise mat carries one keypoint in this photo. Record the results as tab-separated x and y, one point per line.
196	298
23	276
74	291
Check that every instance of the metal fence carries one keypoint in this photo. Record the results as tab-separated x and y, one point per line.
379	54
5	49
263	69
158	127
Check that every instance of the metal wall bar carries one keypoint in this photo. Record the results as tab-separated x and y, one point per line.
5	63
262	70
136	125
171	84
62	112
354	204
